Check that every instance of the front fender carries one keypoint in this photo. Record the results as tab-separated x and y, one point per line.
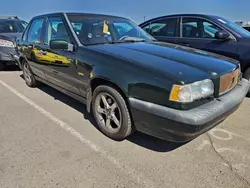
113	76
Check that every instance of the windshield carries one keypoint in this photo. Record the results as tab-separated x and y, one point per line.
102	30
11	26
238	29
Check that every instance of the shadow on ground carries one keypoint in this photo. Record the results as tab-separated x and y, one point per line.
140	139
11	68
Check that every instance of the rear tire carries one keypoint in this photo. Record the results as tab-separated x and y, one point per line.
111	113
247	76
28	75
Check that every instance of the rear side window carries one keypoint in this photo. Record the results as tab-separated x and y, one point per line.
35	31
162	28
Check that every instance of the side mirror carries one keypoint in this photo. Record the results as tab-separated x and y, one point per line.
61	45
222	35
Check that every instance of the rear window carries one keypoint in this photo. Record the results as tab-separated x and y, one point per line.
11	26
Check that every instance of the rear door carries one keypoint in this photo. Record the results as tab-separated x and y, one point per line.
59	65
31	46
200	33
165	30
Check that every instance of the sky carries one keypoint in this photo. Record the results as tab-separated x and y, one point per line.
137	10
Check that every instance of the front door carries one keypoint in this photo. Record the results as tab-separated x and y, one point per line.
60	65
200	33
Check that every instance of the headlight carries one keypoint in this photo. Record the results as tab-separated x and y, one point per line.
191	92
6	43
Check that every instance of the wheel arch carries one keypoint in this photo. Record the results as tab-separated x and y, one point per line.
97	81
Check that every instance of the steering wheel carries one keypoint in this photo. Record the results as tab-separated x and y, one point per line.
125	36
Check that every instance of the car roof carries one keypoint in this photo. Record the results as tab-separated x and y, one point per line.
181	15
78	14
202	15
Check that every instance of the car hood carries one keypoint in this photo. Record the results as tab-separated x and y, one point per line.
182	64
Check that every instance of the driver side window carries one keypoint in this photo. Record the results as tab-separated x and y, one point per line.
55	29
198	28
209	29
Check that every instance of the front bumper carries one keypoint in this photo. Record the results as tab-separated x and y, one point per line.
181	126
8	56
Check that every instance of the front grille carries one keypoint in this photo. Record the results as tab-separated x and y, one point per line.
228	81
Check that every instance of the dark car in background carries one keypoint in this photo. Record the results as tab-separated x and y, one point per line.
130	81
206	32
244	24
247	28
11	29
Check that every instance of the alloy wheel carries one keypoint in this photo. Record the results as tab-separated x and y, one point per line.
108	112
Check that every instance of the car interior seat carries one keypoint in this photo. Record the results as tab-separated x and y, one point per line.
185	32
62	33
97	35
194	33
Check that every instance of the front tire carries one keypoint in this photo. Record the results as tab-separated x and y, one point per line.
111	113
28	75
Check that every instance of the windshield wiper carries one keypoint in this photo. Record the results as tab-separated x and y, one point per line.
131	39
125	40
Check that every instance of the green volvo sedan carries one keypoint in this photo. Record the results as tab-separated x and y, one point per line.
129	80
